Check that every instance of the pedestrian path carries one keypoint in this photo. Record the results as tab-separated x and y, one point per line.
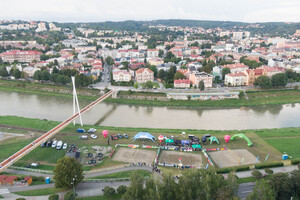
4	191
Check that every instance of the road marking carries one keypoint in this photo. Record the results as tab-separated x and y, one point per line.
4	191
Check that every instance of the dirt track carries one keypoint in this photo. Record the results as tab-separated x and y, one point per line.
135	155
189	159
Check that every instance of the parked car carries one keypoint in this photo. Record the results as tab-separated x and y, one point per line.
49	143
44	144
92	162
83	137
89	155
81	130
65	146
119	136
59	145
54	144
92	130
94	136
125	136
100	155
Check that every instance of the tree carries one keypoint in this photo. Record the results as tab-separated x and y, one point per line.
37	75
45	75
160	53
108	191
148	85
282	186
225	71
257	174
161	74
263	82
279	80
135	189
179	75
201	85
268	171
295	179
109	60
233	184
24	74
69	196
169	188
3	72
83	80
262	191
53	197
136	85
65	171
16	73
154	69
121	189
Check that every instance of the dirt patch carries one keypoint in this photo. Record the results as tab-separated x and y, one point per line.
135	155
4	136
231	158
188	159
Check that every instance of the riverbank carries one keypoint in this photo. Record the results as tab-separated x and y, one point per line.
255	97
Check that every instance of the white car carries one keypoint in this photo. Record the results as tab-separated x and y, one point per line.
54	144
94	136
59	145
65	146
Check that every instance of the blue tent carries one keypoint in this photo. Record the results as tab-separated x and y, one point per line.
143	136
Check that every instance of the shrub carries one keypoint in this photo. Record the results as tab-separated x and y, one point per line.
257	174
69	195
268	171
229	169
268	165
295	161
53	197
122	189
108	191
20	199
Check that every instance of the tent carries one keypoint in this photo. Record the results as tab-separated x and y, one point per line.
169	141
196	146
213	139
144	136
185	142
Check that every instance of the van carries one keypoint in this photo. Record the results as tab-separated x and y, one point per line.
59	145
83	137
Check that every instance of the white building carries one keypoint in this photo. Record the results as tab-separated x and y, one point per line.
143	75
236	79
121	75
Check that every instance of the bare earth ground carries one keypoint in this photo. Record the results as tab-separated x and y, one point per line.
4	136
232	157
135	155
189	159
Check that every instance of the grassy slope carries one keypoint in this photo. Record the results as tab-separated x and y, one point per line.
125	174
39	192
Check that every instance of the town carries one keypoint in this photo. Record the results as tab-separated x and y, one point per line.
168	109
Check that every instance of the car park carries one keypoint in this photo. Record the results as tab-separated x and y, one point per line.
65	146
119	136
54	144
125	136
94	136
59	145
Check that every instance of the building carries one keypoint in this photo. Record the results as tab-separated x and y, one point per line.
182	83
217	71
196	77
21	56
203	96
41	27
155	61
152	53
236	79
252	74
238	67
143	75
121	75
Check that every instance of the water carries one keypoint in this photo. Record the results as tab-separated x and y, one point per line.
55	108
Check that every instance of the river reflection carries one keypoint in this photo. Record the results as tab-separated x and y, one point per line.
54	108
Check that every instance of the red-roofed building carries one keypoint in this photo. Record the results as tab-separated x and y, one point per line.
10	180
2	178
21	56
270	71
152	53
182	83
237	67
121	75
143	75
185	72
236	79
252	74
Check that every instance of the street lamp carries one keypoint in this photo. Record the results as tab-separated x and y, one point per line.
73	183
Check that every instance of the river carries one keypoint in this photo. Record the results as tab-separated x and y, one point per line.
106	114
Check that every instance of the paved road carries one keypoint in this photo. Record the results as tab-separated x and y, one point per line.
245	189
275	170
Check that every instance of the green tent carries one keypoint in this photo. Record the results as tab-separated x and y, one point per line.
169	141
196	146
213	139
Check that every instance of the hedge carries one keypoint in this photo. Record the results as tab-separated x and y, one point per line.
268	165
229	169
295	161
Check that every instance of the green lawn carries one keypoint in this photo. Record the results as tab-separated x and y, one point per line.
1	197
39	192
11	146
47	154
289	145
125	174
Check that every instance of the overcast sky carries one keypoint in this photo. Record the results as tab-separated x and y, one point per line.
120	10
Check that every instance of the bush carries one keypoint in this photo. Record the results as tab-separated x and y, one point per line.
268	165
268	171
257	174
295	161
108	191
53	197
229	169
122	189
20	199
69	195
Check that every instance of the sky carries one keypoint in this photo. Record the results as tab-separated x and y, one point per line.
121	10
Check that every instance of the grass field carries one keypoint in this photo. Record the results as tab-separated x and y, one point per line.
266	141
39	192
125	174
